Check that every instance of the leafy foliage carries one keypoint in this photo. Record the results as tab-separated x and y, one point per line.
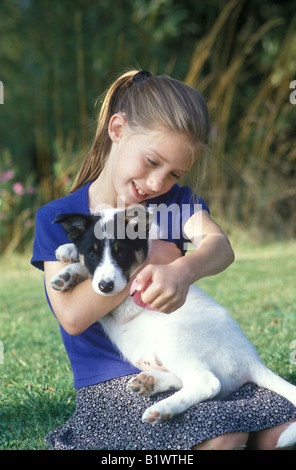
57	58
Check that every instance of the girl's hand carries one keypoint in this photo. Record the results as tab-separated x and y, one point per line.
167	291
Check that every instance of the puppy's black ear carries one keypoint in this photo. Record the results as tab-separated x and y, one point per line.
74	224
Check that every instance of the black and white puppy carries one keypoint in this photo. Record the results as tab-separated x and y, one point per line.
109	247
199	350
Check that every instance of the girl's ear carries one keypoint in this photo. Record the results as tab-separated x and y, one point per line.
116	127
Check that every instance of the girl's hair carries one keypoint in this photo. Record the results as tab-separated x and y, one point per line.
148	101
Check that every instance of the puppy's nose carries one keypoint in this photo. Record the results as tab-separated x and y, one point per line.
106	286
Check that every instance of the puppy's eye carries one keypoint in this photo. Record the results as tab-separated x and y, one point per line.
91	253
123	252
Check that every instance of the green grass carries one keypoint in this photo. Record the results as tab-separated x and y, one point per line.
36	380
35	377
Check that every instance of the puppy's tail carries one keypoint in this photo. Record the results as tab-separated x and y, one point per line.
288	437
265	378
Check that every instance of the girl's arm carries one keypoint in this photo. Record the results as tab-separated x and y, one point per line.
170	284
80	307
213	253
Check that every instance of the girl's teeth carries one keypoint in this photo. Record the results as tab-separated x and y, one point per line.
140	190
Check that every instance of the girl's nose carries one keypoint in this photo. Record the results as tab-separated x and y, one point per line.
155	182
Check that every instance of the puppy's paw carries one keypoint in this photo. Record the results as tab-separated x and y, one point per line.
155	414
67	253
142	384
64	280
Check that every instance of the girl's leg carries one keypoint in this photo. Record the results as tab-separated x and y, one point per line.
230	441
267	438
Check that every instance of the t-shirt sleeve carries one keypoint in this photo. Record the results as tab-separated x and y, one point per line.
172	211
48	237
191	204
203	205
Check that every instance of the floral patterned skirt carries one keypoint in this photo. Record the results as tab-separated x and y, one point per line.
108	417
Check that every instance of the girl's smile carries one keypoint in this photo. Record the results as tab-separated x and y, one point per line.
138	192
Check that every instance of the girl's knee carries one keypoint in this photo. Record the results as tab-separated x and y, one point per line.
267	439
229	441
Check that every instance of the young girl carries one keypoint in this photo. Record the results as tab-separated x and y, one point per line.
151	131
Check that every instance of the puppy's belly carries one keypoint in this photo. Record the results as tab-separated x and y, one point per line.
150	364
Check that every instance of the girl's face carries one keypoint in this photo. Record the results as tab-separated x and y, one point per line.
147	164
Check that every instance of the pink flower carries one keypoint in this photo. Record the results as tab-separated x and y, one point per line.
30	189
6	176
18	189
28	223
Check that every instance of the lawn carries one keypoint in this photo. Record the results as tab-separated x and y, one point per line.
35	376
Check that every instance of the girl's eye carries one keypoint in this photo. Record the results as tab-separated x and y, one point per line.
151	162
154	163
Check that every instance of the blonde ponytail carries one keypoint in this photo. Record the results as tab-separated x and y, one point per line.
98	154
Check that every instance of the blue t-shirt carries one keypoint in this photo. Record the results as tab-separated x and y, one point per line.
92	356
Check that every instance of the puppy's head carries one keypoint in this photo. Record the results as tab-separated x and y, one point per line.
112	245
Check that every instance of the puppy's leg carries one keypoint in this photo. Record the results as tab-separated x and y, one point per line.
67	253
68	277
152	382
199	386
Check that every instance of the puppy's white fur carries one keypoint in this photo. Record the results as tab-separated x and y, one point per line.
199	350
204	352
106	271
